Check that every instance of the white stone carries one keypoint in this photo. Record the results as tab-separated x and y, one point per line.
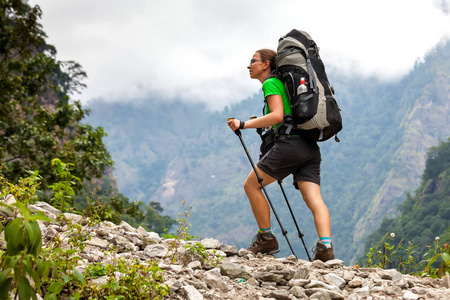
191	293
335	280
42	227
391	274
279	294
446	282
174	284
127	227
47	213
156	250
298	292
334	263
51	232
244	252
215	272
213	279
348	276
47	207
364	291
154	236
98	243
73	217
194	265
108	224
299	282
322	295
124	244
217	253
320	284
176	268
252	281
210	243
9	199
318	264
356	282
407	295
377	289
353	296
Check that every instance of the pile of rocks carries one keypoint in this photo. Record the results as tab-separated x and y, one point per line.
240	274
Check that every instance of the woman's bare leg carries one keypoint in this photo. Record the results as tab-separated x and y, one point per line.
313	199
258	202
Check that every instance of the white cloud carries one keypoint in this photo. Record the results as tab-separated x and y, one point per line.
198	50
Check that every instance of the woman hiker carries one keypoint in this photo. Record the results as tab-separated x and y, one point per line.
294	155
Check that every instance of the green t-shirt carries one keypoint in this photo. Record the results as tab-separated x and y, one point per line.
274	86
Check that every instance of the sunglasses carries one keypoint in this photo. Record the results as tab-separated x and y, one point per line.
253	60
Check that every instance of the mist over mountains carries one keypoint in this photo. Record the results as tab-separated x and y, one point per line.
176	151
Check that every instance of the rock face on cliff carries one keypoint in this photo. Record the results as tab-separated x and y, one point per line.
240	274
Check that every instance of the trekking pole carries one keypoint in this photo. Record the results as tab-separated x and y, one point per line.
258	130
260	180
300	234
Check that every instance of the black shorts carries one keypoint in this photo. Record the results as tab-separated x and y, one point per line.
293	155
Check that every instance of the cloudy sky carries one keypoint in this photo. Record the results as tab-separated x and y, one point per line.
198	50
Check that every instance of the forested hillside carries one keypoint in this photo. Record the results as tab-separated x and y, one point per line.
425	214
41	129
175	151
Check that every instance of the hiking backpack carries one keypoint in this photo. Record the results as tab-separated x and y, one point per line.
315	113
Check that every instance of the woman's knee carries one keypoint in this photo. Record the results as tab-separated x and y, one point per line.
311	194
251	184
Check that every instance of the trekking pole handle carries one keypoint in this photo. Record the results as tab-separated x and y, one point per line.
237	131
258	130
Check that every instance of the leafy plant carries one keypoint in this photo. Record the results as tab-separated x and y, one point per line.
183	234
435	252
62	189
210	258
182	230
22	266
383	253
96	270
387	255
25	190
125	280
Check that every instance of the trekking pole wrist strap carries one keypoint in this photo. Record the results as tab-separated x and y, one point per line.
241	124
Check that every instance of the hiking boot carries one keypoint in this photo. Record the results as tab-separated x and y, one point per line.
265	243
323	253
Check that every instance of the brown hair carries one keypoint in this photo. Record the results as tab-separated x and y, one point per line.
268	55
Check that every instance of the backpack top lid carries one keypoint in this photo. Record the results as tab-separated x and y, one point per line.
293	48
296	38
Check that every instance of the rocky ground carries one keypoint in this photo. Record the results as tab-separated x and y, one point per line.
240	274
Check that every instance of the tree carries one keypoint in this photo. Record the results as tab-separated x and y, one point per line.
38	120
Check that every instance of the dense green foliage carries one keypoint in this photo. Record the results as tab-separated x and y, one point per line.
426	214
39	122
190	154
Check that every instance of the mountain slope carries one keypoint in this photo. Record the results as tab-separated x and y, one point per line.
426	214
173	152
423	117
